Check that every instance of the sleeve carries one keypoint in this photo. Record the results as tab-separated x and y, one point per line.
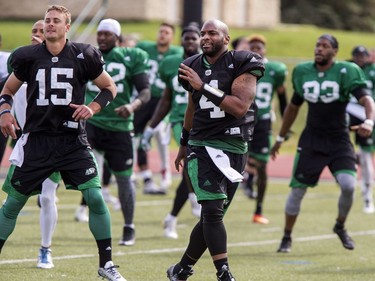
94	65
355	77
281	73
141	61
246	61
17	64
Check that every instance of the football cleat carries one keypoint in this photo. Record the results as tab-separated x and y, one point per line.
81	214
175	274
224	274
45	258
109	272
260	219
346	240
169	225
285	245
128	236
152	189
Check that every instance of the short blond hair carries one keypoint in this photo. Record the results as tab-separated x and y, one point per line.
61	9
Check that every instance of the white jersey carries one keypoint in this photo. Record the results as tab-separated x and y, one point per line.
4	65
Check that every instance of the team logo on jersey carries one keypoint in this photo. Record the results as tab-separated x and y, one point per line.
343	70
253	59
80	56
231	66
208	72
90	171
127	58
55	59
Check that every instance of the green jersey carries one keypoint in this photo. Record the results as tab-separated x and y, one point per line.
168	72
157	85
274	77
369	70
327	94
122	64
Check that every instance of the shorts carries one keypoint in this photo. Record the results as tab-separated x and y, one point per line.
207	180
259	146
46	154
316	152
117	148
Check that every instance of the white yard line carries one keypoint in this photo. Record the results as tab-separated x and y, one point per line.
169	250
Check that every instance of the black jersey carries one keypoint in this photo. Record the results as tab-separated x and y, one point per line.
210	122
53	82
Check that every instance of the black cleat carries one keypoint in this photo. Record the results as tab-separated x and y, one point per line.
175	274
224	274
285	245
346	240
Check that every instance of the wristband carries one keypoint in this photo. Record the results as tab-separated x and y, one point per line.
5	98
4	111
104	97
280	139
184	139
369	122
214	95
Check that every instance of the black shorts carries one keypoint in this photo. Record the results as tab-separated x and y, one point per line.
117	148
315	152
144	115
259	146
208	182
45	154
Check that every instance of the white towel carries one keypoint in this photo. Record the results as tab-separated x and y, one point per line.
17	155
221	161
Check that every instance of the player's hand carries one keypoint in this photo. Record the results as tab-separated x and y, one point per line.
191	76
81	112
125	110
179	162
364	129
8	125
275	149
146	138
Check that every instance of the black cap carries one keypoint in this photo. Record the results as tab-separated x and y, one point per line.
191	27
360	50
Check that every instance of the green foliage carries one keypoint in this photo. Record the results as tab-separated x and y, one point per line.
347	15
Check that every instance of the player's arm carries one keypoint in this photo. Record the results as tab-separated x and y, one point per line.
290	115
281	94
163	107
142	85
364	98
7	122
188	124
237	103
108	92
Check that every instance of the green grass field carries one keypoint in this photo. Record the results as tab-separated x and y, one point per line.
316	255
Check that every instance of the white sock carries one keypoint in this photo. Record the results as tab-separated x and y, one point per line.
48	212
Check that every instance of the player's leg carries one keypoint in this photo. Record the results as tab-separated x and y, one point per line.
48	220
162	137
74	171
8	216
367	181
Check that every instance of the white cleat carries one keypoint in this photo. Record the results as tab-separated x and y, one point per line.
81	214
169	224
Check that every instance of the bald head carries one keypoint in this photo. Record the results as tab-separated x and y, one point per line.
37	33
215	39
218	25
